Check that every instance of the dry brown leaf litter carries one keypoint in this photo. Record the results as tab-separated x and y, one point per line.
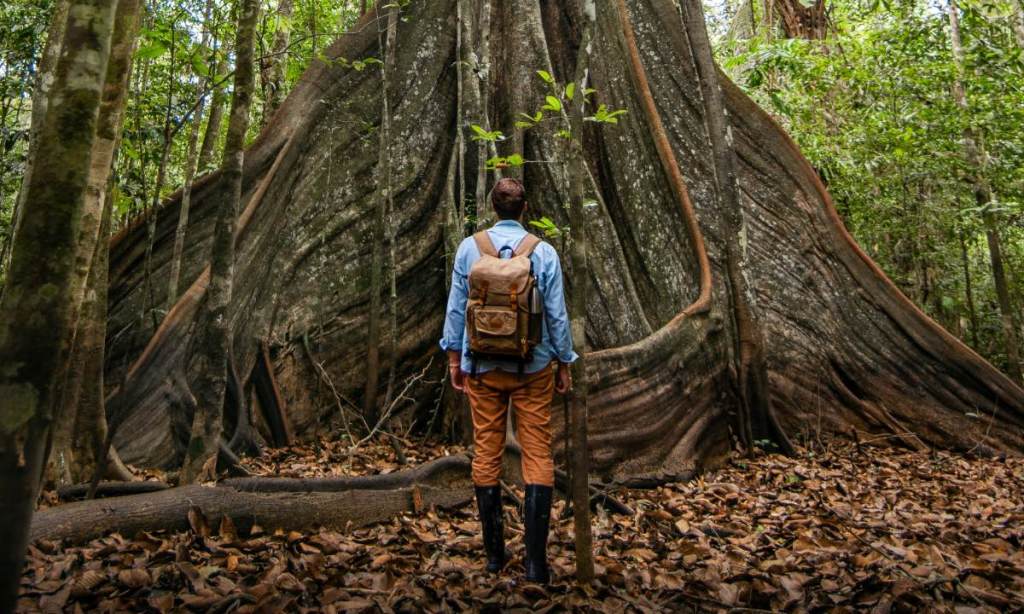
879	530
335	457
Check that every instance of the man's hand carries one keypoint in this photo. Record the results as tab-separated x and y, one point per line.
563	381
455	371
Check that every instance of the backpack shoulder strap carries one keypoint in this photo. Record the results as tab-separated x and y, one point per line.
484	244
527	245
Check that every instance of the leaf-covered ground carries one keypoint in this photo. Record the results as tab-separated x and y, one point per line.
845	529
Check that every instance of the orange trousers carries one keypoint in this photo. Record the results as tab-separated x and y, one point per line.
530	394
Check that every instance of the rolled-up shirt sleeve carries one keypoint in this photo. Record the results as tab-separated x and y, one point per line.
551	286
455	314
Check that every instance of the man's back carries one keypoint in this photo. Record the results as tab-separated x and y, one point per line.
556	338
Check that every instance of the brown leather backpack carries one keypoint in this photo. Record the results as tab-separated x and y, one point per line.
503	314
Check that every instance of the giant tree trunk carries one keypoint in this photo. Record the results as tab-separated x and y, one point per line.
35	310
841	346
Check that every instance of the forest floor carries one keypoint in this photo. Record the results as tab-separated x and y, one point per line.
843	528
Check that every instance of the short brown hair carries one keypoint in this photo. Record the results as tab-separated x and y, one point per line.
508	198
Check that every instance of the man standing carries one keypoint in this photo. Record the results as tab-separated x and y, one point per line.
527	380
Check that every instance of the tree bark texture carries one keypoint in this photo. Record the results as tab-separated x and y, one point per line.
214	339
40	102
35	313
757	420
799	20
842	347
79	413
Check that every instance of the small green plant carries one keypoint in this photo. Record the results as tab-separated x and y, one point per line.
553	108
603	115
491	136
548	227
504	161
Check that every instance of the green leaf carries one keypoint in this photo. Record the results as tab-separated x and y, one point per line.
553	104
514	160
484	135
570	90
545	224
150	50
546	76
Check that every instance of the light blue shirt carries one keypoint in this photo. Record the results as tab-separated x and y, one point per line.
556	338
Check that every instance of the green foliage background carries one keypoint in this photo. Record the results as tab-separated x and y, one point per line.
872	108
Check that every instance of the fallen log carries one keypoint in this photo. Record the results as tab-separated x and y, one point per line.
291	511
273	503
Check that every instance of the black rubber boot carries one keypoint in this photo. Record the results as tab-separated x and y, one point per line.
488	501
537	512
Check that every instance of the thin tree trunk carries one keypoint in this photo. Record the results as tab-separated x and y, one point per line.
457	171
383	196
40	102
484	213
186	202
214	342
1006	309
217	100
580	460
141	85
968	287
186	193
34	310
391	233
89	412
161	174
79	364
975	154
1018	23
273	76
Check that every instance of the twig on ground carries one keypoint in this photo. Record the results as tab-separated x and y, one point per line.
401	396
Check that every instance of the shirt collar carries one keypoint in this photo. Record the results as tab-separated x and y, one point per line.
508	224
